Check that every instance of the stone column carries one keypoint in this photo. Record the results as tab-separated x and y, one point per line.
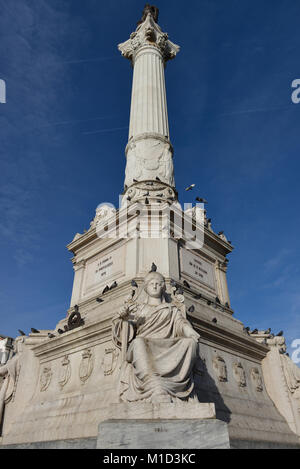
148	100
149	153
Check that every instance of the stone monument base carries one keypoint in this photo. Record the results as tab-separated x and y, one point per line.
163	434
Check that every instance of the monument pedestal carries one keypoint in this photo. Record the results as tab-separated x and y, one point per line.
179	425
163	434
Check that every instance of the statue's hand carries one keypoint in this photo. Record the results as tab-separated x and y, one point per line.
126	310
191	333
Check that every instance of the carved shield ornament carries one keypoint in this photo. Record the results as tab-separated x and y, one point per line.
86	365
65	372
257	379
45	378
239	374
109	361
220	368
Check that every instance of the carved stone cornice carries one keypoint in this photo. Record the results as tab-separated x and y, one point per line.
148	33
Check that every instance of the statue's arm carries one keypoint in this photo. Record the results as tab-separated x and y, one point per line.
185	329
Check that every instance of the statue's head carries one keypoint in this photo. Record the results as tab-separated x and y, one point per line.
155	285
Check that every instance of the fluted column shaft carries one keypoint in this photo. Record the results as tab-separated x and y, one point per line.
148	101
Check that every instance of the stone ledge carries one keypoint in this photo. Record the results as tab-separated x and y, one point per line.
148	410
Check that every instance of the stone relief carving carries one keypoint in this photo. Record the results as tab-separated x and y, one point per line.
257	379
103	212
239	374
220	368
86	365
109	361
147	159
45	378
65	372
159	345
148	33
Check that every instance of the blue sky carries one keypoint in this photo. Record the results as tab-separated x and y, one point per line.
233	125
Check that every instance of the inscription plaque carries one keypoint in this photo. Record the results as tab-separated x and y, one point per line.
102	270
197	268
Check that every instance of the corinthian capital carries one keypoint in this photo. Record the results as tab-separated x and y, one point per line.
148	33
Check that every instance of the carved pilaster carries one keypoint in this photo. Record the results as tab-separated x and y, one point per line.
79	267
221	270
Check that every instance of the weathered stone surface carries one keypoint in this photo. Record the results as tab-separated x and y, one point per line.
81	443
147	410
163	434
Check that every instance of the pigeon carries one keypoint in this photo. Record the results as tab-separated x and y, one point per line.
208	302
227	304
229	242
191	309
214	320
157	178
129	199
218	300
153	267
106	289
60	331
99	300
201	200
268	331
255	331
51	336
220	233
34	331
134	284
189	188
279	334
21	332
147	201
186	284
198	297
246	329
114	285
